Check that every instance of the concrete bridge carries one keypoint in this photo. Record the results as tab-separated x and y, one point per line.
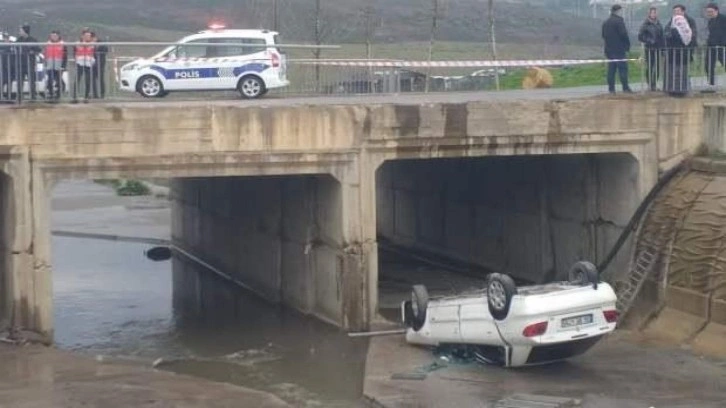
291	196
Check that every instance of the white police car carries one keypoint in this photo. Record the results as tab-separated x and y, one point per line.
243	60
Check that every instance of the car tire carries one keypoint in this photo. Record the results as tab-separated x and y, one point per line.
419	305
584	273
251	87
150	86
500	291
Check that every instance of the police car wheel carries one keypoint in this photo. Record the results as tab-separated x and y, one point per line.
251	87
150	87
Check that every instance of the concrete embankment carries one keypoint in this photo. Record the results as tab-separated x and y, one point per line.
691	214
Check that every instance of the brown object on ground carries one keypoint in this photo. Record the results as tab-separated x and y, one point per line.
537	78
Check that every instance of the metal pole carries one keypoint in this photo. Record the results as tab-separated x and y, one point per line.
275	16
377	333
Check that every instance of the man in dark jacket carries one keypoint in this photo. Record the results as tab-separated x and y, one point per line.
617	45
28	63
716	41
651	35
7	67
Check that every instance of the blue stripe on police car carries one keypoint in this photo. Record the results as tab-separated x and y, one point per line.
203	73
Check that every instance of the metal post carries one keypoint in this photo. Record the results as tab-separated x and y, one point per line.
275	15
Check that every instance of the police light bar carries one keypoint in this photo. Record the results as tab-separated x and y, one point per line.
216	26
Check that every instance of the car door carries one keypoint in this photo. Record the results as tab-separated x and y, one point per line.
477	324
226	57
186	66
240	55
444	322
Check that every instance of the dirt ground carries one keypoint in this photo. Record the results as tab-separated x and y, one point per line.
622	371
42	377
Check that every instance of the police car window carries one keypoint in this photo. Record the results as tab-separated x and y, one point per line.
192	50
231	47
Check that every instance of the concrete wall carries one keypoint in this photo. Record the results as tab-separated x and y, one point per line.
531	217
281	236
6	244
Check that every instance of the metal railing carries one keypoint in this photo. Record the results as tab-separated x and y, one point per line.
679	71
27	74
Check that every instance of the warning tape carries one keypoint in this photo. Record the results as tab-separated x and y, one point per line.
388	63
456	64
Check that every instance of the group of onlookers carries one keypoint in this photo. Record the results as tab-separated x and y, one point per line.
668	49
18	63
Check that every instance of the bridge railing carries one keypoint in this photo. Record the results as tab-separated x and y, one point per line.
76	79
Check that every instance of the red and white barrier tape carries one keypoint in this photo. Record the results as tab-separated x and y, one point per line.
382	63
455	64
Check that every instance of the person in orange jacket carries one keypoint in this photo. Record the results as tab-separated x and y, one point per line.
56	60
85	61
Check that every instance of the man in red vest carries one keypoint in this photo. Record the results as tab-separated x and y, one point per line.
56	59
85	60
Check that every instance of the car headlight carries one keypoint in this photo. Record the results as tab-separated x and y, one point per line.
129	67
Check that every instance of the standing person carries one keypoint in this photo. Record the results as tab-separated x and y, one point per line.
678	38
28	64
651	35
716	41
56	59
99	71
85	60
617	45
7	68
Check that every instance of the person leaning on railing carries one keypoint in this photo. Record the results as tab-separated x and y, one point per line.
7	67
651	35
99	69
56	59
716	42
85	60
27	55
679	38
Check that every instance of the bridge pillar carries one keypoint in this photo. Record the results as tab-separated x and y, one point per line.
304	240
26	298
359	268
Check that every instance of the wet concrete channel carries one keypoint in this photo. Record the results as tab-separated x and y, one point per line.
111	301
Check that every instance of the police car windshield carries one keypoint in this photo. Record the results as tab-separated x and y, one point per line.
166	51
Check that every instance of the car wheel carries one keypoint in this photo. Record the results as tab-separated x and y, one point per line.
251	87
419	304
150	86
500	290
584	273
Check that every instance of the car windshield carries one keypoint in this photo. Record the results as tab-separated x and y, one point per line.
166	52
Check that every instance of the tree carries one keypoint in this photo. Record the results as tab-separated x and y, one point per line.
432	39
493	41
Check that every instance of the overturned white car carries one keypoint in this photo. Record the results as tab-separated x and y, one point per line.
517	326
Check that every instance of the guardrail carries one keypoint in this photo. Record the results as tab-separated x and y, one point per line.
25	67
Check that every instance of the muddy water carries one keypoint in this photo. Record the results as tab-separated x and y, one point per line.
110	300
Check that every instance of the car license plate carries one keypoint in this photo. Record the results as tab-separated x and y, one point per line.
576	321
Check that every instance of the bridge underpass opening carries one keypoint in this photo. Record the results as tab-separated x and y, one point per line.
447	223
280	236
273	234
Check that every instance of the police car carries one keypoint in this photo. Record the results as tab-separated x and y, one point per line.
215	59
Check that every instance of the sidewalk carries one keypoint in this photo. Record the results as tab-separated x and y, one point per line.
41	377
